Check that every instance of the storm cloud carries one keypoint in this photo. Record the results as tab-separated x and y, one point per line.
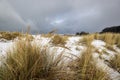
67	16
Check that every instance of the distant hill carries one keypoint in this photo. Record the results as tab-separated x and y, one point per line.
114	29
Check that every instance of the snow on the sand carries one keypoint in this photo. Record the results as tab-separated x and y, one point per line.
73	45
100	64
4	46
72	49
100	45
41	41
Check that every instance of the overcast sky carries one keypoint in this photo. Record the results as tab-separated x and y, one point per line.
67	16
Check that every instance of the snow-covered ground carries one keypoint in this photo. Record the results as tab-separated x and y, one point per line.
100	45
72	49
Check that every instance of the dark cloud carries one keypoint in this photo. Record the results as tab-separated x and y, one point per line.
68	16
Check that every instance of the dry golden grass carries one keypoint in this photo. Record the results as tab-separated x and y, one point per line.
87	39
59	40
10	35
110	47
85	68
27	37
118	40
13	35
47	35
109	38
115	62
25	61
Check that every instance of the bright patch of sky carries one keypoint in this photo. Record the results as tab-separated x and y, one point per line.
57	22
75	15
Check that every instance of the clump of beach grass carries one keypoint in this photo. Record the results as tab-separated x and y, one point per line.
115	62
87	39
84	68
26	61
48	35
59	40
10	35
109	38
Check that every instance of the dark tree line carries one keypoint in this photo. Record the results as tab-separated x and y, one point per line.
113	29
82	33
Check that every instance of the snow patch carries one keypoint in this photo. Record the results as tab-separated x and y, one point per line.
98	43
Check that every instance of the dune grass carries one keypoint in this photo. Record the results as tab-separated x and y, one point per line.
109	38
25	61
27	37
118	40
10	35
47	35
87	39
110	47
85	69
59	40
115	62
13	35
